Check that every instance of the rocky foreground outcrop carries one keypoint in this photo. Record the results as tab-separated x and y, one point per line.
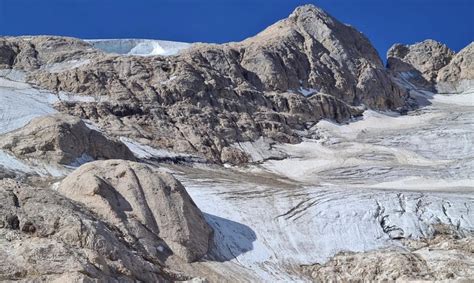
62	139
424	58
109	220
432	65
276	84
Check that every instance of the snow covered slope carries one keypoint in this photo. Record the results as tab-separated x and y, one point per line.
141	47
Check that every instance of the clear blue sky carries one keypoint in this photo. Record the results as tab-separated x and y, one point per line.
384	21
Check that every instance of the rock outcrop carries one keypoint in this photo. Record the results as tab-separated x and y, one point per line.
444	257
298	71
45	237
458	75
62	139
432	65
424	58
144	203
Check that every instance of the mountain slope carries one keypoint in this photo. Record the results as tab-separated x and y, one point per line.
296	72
384	197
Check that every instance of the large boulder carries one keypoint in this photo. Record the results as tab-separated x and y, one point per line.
145	203
45	237
62	139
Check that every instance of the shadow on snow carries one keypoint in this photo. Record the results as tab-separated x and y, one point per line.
231	239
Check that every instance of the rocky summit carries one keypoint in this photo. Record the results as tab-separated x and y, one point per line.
293	155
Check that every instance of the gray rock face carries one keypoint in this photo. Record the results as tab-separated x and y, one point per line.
211	96
62	139
144	204
433	65
444	257
31	53
425	58
458	75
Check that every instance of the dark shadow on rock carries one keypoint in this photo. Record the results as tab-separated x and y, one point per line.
417	86
6	173
230	240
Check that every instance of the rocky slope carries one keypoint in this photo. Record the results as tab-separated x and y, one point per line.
458	75
62	139
144	203
298	71
122	217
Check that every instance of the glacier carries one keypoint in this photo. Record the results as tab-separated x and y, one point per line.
139	47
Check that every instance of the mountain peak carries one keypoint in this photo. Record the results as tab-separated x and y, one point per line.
308	9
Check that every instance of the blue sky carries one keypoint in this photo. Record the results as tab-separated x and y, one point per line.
384	21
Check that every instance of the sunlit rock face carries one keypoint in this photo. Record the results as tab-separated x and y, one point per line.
62	139
432	65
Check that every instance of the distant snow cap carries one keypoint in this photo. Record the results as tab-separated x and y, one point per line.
140	47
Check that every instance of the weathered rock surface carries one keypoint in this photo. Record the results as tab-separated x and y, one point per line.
458	75
45	236
145	204
445	257
424	58
62	139
109	221
298	71
433	65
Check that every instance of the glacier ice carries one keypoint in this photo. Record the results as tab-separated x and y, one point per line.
140	47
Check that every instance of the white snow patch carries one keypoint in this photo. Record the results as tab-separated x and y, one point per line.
260	150
92	126
426	184
172	78
20	103
12	163
373	120
13	75
307	91
140	47
462	99
147	152
65	66
68	97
